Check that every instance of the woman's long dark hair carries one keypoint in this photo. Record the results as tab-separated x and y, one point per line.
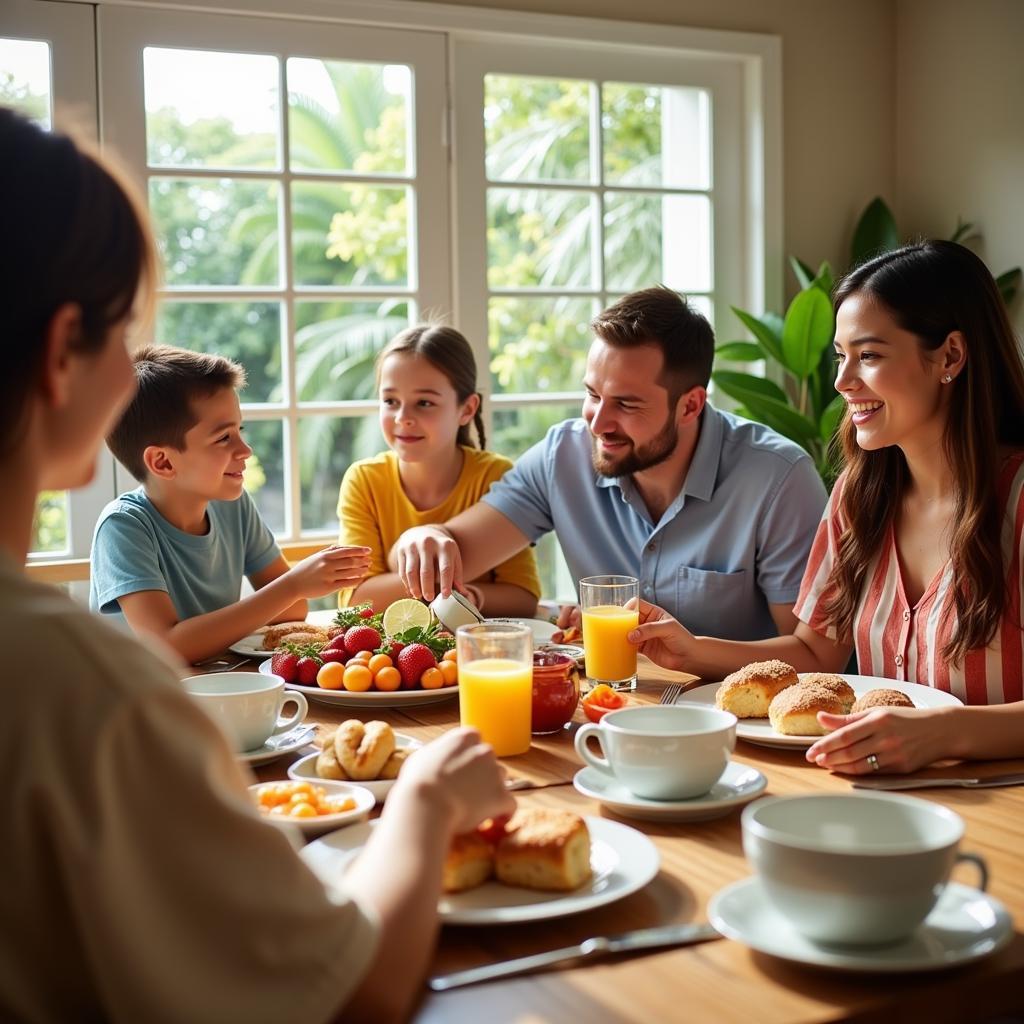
932	289
448	351
73	232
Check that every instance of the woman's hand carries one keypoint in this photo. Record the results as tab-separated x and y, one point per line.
901	740
664	640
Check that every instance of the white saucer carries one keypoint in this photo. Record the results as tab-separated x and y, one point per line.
542	630
965	925
277	746
738	785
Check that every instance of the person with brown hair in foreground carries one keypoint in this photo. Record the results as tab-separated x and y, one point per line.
140	883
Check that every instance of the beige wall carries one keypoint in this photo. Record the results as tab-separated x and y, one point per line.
960	123
838	108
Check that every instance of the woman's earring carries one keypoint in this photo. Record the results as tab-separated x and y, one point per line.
947	378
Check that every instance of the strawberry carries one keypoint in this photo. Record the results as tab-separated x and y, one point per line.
361	638
306	670
366	613
493	829
412	661
283	664
333	654
394	650
336	643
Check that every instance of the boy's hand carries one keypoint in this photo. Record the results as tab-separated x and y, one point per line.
460	776
570	620
664	640
333	568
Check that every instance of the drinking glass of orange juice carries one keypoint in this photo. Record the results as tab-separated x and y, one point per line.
496	683
609	606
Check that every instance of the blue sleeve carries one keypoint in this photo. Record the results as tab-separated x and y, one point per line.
124	560
260	547
786	532
521	495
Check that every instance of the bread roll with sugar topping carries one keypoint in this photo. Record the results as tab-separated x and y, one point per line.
794	712
544	849
882	698
748	691
837	684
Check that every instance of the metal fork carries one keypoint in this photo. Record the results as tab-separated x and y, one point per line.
670	694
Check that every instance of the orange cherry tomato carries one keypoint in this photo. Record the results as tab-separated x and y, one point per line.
450	671
388	679
358	678
600	701
432	679
377	662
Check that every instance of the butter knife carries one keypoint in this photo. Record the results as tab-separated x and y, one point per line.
1012	779
643	938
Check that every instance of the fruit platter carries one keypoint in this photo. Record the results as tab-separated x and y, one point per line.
398	658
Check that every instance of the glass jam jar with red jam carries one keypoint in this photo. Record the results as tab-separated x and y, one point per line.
556	691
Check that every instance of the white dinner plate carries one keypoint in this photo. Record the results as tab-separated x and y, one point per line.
305	768
371	698
277	746
965	925
364	801
622	860
760	731
738	785
542	630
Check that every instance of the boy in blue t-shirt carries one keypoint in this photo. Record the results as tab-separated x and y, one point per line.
170	555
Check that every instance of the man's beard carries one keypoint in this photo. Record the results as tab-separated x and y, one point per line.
656	451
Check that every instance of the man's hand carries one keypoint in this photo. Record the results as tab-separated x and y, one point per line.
428	562
664	640
328	570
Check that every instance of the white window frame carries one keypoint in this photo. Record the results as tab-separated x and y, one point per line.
69	31
722	79
123	35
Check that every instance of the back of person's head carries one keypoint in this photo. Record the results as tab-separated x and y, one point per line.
660	316
170	380
448	351
932	289
74	232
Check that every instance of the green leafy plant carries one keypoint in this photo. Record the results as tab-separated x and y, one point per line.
798	398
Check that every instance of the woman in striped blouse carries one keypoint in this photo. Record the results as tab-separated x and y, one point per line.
918	562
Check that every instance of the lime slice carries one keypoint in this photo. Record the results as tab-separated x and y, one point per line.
405	614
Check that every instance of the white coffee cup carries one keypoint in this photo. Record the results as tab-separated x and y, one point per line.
662	753
246	705
854	869
455	610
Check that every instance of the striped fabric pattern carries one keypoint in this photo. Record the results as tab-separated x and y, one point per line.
899	641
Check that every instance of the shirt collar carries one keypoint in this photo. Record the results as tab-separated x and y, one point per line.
703	471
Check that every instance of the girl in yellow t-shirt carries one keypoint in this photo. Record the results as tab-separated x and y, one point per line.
426	379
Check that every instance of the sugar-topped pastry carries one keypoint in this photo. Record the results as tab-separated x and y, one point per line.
882	698
748	691
794	712
842	689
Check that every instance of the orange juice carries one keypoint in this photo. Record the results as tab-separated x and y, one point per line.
610	656
495	696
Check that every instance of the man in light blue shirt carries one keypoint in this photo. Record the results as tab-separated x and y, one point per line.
714	514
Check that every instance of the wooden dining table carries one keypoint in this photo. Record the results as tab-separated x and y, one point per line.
720	980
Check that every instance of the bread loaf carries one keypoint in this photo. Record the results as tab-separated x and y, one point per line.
794	712
544	849
748	692
882	698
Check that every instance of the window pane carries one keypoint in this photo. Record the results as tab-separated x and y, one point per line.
516	429
655	135
50	527
264	472
703	305
328	445
539	344
537	128
349	117
207	109
336	344
539	237
354	235
25	78
217	232
248	332
652	238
